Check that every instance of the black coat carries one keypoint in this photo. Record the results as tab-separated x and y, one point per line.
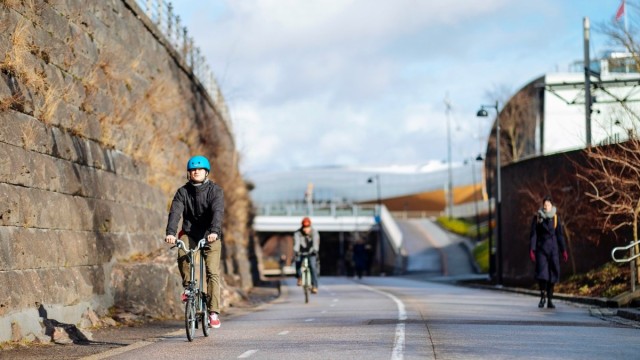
547	242
201	208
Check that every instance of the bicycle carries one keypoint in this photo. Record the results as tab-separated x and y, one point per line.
306	275
195	308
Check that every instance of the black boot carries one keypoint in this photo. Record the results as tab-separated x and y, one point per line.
543	286
550	296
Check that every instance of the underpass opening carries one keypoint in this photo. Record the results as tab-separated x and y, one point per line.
336	251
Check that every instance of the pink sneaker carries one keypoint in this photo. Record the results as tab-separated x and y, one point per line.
214	321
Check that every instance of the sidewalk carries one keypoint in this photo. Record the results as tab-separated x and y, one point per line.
116	337
607	306
458	250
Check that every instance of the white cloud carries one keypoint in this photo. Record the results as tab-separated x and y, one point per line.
357	82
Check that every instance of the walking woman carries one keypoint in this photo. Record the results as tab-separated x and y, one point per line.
547	243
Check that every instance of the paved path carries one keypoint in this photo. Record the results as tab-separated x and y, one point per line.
433	251
398	318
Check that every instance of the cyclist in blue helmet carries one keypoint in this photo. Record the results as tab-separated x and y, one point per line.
200	203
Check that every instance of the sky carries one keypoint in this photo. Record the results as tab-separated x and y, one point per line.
322	83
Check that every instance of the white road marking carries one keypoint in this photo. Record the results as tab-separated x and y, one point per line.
335	300
323	312
118	351
332	305
309	320
398	346
247	353
283	332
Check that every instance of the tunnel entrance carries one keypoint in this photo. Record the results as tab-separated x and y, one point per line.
336	251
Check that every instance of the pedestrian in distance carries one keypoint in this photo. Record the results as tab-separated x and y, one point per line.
360	257
200	203
307	240
547	244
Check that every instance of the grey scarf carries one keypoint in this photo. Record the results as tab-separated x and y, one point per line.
546	215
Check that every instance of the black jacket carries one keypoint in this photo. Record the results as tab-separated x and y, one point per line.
201	208
546	236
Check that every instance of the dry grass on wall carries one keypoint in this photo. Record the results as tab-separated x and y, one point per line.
22	63
144	116
237	206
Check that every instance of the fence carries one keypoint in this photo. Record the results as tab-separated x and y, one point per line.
161	13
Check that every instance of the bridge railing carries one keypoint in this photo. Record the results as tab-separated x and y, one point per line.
301	210
162	14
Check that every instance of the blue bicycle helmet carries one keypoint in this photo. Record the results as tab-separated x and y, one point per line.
198	162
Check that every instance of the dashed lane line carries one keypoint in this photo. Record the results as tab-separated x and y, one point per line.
247	354
283	332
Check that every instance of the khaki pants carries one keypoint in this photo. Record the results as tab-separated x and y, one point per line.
212	269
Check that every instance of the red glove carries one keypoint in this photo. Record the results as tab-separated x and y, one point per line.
565	256
532	255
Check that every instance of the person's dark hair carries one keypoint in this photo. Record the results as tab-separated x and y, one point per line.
547	198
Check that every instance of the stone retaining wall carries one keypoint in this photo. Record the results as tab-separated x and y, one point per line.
98	117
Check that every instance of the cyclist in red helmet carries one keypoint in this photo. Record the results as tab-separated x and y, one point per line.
200	203
307	239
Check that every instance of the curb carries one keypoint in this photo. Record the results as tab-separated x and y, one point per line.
600	302
631	314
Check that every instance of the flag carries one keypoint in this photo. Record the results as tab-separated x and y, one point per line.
620	11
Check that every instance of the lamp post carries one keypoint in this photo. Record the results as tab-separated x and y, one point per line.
475	195
483	113
378	212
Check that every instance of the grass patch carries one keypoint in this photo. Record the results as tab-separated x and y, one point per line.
481	255
456	226
609	280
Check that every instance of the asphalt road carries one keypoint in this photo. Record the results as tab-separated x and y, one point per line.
395	318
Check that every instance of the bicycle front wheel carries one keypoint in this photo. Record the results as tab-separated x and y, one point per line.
206	328
190	318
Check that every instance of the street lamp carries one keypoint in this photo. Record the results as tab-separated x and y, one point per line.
483	113
475	194
370	180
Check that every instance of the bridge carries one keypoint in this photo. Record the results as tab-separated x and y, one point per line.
339	226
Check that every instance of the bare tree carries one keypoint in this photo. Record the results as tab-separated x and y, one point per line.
612	174
516	122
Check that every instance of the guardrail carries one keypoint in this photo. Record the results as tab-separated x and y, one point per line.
629	259
162	14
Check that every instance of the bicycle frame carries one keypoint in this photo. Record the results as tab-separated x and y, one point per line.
306	275
195	306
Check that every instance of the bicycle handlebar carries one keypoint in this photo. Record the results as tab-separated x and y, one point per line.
180	245
310	253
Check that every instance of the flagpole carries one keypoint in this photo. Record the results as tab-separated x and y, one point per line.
626	31
626	26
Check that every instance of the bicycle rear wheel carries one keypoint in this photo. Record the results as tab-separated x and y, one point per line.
206	328
190	318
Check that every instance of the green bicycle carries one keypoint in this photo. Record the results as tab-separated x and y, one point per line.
306	275
195	308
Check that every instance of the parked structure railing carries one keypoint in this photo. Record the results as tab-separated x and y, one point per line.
632	248
162	14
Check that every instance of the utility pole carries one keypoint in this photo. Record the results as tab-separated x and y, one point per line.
447	104
587	81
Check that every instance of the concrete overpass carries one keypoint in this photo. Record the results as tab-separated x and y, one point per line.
339	226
